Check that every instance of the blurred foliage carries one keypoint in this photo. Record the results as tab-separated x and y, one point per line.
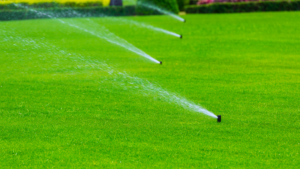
65	13
103	2
48	5
182	4
129	2
245	7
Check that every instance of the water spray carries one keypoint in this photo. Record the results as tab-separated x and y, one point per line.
105	34
149	27
138	84
122	79
153	7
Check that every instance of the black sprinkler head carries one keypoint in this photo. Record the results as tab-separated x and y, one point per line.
184	20
180	36
160	62
219	118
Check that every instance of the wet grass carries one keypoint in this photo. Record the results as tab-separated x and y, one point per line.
64	104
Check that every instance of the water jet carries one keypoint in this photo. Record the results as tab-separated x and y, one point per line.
103	34
123	79
147	26
161	10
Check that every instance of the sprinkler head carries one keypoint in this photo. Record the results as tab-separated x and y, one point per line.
180	36
160	62
219	118
184	20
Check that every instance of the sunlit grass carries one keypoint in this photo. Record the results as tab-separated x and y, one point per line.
64	102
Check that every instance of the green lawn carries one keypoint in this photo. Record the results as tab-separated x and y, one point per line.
69	99
129	2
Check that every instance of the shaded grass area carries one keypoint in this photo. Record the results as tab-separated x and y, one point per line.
61	107
129	2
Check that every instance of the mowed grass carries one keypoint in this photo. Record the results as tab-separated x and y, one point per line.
61	108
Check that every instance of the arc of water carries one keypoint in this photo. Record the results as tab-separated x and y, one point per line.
131	22
122	79
153	28
150	6
114	39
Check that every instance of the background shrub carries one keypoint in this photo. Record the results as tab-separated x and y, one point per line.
21	14
50	5
245	7
182	4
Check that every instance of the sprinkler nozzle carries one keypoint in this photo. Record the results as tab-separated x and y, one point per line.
219	118
180	36
160	62
184	20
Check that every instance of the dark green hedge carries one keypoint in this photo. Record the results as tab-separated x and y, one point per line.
47	5
245	7
182	4
66	13
144	7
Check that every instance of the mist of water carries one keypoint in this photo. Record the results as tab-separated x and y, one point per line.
153	7
151	27
81	64
103	34
127	21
